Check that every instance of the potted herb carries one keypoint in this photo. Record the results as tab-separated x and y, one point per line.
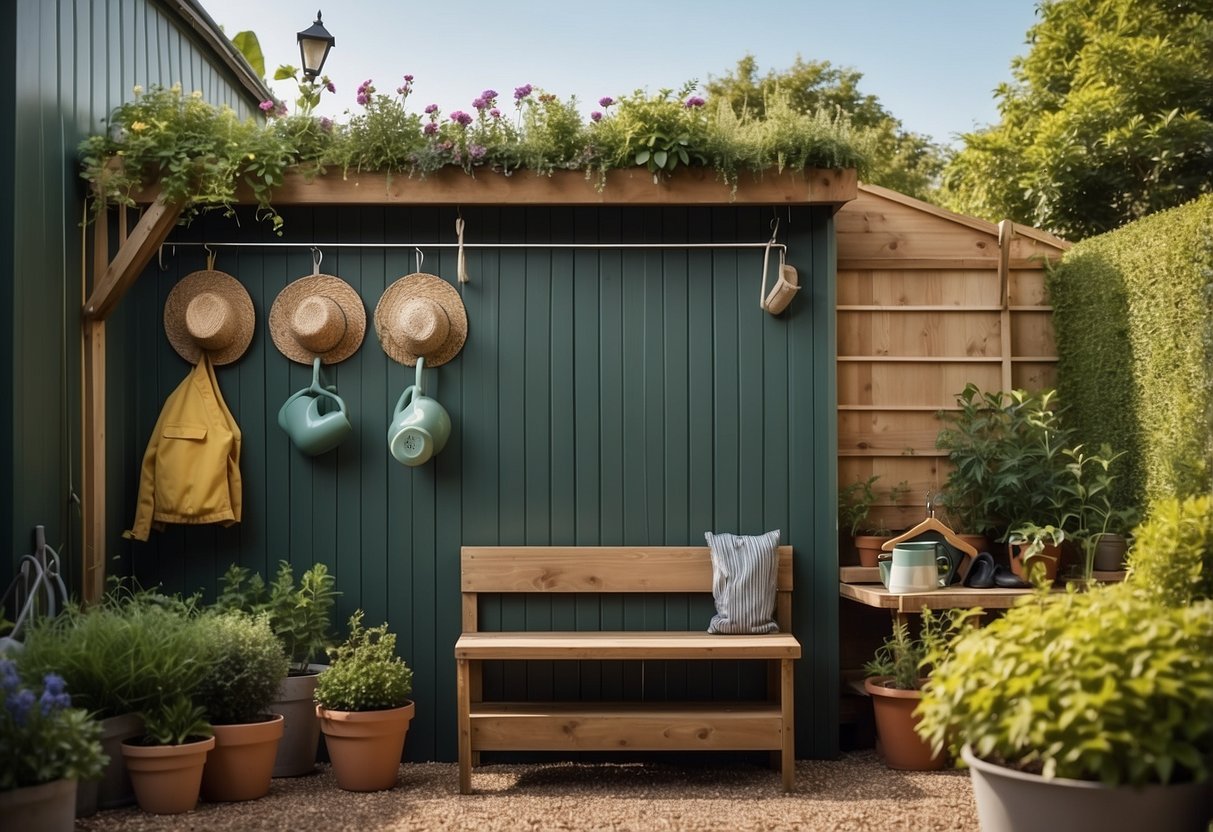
364	710
48	746
236	698
166	763
119	657
1089	710
1038	551
855	503
301	617
894	680
1088	513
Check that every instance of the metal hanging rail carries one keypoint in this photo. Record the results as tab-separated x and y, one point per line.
423	245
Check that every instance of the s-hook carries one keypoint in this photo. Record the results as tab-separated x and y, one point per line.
210	257
317	259
420	257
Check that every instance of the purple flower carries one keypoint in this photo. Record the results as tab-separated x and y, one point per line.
479	103
266	105
20	705
596	116
495	113
326	124
522	92
408	79
280	110
430	129
476	151
9	680
431	109
54	694
363	99
461	117
364	92
488	95
694	101
605	101
329	85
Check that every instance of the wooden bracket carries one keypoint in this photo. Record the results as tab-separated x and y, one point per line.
132	258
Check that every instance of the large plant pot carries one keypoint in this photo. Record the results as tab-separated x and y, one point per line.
1014	801
167	778
113	790
240	765
301	730
895	722
1110	553
868	547
365	746
47	807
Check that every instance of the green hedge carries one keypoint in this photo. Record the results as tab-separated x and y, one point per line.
1133	313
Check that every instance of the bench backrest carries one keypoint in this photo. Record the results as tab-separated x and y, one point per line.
510	569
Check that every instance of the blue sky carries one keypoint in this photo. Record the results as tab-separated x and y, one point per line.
933	63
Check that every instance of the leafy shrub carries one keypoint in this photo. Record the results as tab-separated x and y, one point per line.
175	721
124	655
250	666
299	617
1133	313
905	658
365	673
1107	684
1172	556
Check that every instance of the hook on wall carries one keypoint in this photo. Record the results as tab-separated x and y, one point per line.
420	257
317	259
210	257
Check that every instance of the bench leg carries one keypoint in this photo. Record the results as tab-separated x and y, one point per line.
477	676
787	705
463	690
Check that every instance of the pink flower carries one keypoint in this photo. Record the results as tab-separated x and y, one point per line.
430	129
461	117
596	116
408	79
495	113
605	101
266	105
431	109
694	101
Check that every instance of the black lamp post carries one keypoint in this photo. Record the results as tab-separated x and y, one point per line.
314	45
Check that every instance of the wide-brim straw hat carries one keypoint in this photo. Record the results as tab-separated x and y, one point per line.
421	315
209	311
318	315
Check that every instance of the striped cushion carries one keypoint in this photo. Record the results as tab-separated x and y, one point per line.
744	571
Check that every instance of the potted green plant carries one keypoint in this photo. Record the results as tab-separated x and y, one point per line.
236	698
364	710
301	617
48	747
1037	551
1081	710
166	763
855	503
1087	512
119	657
894	679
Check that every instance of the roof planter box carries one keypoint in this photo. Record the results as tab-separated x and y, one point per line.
627	186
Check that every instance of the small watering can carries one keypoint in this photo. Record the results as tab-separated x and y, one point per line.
915	566
314	432
420	425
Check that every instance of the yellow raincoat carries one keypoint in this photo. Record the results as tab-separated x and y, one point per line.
191	469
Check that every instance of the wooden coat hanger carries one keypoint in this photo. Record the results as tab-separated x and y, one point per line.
930	524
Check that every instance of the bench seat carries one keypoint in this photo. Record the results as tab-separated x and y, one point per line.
625	645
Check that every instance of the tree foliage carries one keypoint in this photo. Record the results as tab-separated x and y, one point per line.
904	161
1109	118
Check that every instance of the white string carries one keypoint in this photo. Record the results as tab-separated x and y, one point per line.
461	264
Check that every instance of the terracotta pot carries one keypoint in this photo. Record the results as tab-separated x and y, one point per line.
1049	558
868	547
167	778
365	746
47	807
1110	553
1010	801
902	748
301	730
241	763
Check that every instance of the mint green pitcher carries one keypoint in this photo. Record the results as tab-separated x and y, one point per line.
914	566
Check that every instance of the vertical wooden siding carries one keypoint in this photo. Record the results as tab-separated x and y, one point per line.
74	61
603	397
919	316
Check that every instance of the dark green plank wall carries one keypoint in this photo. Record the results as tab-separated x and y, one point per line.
604	397
72	62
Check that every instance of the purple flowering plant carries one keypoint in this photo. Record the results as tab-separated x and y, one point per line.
309	91
659	132
44	738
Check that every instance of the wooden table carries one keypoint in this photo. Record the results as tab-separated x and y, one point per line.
945	598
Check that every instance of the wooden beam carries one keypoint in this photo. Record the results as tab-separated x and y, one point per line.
1006	231
134	255
887	264
627	186
93	434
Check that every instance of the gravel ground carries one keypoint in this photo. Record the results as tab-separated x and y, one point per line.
854	793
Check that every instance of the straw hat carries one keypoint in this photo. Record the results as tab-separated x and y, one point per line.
318	315
421	315
209	311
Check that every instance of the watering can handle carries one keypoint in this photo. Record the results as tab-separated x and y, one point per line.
419	384
405	398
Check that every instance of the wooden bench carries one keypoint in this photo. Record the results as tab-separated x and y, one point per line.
631	726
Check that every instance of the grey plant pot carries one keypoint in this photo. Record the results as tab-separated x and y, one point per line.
1110	553
301	728
1015	801
114	789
